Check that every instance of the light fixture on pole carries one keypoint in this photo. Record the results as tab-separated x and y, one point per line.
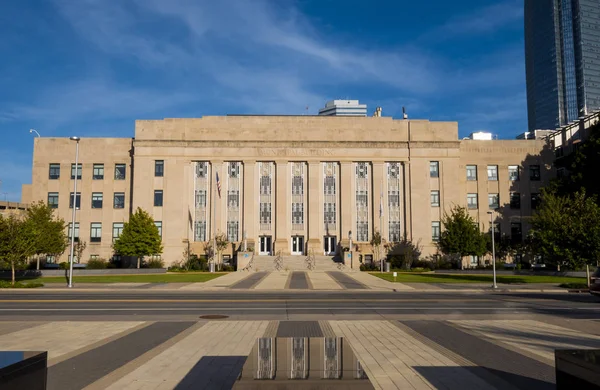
350	240
491	213
31	131
76	139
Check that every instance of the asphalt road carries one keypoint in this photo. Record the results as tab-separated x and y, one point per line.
309	305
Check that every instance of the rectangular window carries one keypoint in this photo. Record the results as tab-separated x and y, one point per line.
434	169
119	200
96	232
117	230
97	200
513	172
329	213
98	172
233	199
76	231
78	171
159	168
435	231
394	231
53	200
515	200
201	169
77	200
158	225
120	171
515	232
265	213
361	198
492	171
265	185
534	173
297	213
234	169
535	201
200	199
158	198
393	198
472	201
200	231
472	172
329	185
435	198
362	231
54	173
232	231
297	185
494	201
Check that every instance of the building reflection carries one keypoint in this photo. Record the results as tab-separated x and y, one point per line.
303	359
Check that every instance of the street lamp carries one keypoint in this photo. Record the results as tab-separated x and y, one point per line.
491	213
76	139
31	131
350	239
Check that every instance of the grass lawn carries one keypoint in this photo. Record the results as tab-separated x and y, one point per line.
462	278
150	278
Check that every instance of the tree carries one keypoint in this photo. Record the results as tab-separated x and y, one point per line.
50	235
565	229
17	241
376	243
221	241
140	237
504	247
404	253
461	235
78	249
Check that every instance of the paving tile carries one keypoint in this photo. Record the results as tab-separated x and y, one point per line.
322	281
375	283
276	280
59	338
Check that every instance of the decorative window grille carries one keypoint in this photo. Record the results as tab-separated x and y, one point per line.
330	184
265	172
297	174
233	200
201	200
299	363
362	201
333	358
394	206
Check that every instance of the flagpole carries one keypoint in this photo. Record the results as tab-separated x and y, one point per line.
381	221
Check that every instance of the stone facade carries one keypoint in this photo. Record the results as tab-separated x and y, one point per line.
288	183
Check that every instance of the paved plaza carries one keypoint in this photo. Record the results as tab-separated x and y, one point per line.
436	354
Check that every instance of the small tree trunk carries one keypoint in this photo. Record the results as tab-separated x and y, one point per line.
587	272
12	266
138	262
37	267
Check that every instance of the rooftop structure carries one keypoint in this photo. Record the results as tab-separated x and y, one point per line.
344	108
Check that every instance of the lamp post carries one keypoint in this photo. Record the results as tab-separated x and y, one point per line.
491	213
31	131
76	139
350	239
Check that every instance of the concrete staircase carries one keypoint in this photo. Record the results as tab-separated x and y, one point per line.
297	263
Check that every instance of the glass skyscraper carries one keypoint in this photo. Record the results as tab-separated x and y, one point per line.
562	60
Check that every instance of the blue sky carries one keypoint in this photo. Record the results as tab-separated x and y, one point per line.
91	67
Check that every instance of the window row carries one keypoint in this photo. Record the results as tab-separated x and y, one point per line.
514	172
97	171
96	230
97	200
516	233
494	201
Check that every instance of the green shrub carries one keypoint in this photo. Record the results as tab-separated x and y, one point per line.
7	284
227	268
155	263
64	265
420	269
97	264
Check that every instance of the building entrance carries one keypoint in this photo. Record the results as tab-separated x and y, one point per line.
265	245
329	245
297	245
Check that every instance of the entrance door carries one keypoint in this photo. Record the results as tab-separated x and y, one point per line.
329	245
265	245
297	245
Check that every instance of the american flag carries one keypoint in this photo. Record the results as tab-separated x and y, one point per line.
218	185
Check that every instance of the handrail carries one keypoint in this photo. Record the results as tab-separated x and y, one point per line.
310	260
278	263
250	264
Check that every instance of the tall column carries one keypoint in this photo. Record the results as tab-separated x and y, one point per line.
315	206
407	199
282	207
250	194
347	202
378	222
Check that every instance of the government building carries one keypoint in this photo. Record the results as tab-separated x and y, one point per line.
288	184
